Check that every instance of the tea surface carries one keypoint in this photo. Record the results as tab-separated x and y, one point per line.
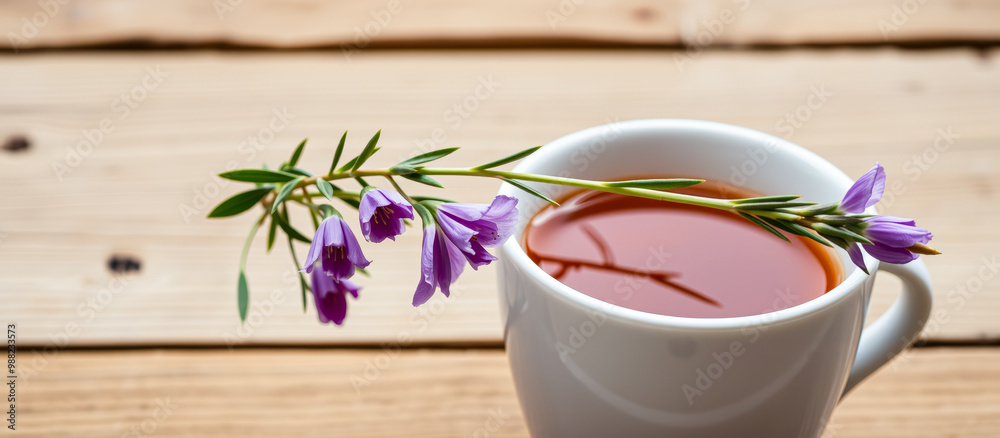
677	260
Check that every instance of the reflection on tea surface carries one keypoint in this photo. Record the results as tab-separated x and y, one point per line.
677	260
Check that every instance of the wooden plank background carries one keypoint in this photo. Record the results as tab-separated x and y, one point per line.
364	23
143	190
146	352
311	393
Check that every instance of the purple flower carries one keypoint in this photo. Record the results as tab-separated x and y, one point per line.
891	236
331	297
891	239
440	265
865	192
382	213
854	250
336	245
471	227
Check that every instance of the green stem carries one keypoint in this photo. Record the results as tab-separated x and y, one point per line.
246	244
721	204
302	281
342	194
312	213
400	189
588	184
314	208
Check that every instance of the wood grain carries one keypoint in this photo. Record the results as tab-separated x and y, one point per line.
281	392
357	25
145	187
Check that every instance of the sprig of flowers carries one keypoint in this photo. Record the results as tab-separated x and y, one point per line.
456	233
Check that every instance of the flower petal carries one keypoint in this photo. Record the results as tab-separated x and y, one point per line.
857	257
328	295
394	198
458	232
443	261
865	192
381	214
352	247
889	254
331	307
895	232
479	256
467	212
321	282
315	248
350	287
423	293
455	262
368	204
891	219
502	214
333	231
426	286
335	264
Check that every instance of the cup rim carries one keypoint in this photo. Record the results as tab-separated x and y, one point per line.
512	252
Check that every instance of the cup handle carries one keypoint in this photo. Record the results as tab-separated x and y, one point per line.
898	327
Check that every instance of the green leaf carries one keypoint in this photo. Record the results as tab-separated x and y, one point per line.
507	159
431	198
763	225
815	237
401	169
772	205
818	209
240	202
297	153
298	171
838	220
243	296
285	190
305	290
656	184
289	230
427	156
350	164
796	229
368	151
340	151
838	241
423	179
258	176
325	188
529	190
829	230
783	198
271	233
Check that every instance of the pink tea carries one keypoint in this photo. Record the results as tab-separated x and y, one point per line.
673	259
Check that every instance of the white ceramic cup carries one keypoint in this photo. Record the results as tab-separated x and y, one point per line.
587	368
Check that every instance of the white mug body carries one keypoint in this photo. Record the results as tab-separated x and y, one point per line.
586	368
